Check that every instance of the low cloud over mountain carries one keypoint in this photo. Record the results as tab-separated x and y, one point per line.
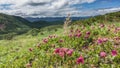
48	8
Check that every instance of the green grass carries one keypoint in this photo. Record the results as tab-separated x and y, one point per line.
18	46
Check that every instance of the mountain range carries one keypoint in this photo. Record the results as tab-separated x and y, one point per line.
52	19
19	25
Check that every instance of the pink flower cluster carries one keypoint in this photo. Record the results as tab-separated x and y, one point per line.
104	54
52	36
30	49
77	33
45	40
61	40
87	34
80	60
63	51
102	25
114	53
68	52
102	40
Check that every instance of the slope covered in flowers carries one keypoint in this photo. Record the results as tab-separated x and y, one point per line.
95	46
87	46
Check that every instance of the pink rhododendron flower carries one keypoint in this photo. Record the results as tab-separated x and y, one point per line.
102	25
80	60
114	52
105	39
102	40
57	50
78	35
70	35
115	46
62	54
63	51
99	41
88	33
103	54
69	52
45	40
50	36
61	40
30	49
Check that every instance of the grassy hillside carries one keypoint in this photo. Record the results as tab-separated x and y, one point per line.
10	24
110	17
41	24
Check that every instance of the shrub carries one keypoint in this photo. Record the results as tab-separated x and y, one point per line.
8	36
33	32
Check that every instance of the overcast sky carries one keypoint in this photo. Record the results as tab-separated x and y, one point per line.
53	8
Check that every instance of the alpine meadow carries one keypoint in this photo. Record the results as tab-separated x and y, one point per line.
59	34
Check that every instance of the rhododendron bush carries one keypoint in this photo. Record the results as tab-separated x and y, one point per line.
81	47
95	46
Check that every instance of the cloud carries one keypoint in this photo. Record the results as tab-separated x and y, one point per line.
47	8
108	10
81	1
96	12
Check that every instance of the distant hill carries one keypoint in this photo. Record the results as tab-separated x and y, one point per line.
41	24
110	17
10	24
52	19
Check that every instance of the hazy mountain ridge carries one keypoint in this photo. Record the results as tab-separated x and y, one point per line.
52	19
9	23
